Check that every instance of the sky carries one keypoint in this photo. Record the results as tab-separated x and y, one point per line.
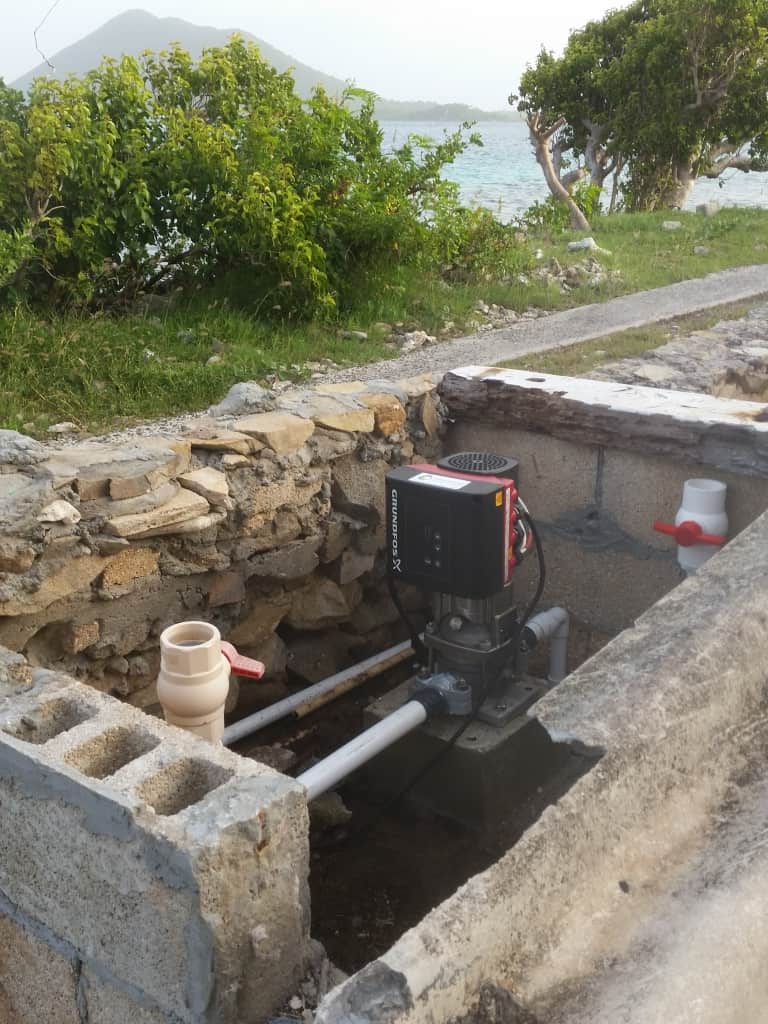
470	51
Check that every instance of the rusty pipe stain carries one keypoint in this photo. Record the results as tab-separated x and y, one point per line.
302	710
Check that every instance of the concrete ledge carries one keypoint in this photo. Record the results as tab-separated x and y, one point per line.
724	433
676	707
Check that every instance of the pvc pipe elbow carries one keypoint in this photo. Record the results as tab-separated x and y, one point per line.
553	625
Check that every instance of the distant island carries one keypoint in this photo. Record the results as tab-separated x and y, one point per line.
134	31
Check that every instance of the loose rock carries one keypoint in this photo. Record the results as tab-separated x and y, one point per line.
59	512
281	431
19	450
245	397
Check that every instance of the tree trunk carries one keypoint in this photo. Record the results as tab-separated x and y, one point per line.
541	140
617	169
678	191
595	155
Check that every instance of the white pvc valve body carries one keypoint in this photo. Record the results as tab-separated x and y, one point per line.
194	679
703	503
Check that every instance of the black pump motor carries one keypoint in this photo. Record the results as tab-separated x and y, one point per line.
458	530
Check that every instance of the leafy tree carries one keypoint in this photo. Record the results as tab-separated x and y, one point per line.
666	90
165	171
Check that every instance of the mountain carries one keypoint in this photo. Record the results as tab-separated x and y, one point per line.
134	31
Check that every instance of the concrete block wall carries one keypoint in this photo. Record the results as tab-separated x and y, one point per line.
596	503
144	874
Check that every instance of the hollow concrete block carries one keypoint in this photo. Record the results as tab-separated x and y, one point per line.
37	982
177	867
109	1005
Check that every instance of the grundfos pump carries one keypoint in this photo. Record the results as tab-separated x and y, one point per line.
459	529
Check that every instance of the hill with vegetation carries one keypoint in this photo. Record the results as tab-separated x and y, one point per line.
134	31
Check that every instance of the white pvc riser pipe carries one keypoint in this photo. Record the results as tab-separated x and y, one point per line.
342	762
194	679
553	626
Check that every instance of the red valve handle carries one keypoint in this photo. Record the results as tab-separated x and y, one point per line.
241	666
689	533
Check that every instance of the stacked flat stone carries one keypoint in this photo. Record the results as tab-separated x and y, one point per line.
266	513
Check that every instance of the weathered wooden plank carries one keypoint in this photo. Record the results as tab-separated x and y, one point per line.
723	433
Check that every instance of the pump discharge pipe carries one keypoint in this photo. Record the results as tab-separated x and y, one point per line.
701	523
193	684
551	625
342	762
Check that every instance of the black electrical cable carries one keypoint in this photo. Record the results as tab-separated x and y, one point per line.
534	602
416	642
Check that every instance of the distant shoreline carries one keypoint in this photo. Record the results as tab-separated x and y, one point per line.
449	113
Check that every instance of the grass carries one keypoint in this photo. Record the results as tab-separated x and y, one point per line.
650	257
99	371
578	360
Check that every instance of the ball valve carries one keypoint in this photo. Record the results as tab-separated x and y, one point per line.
701	523
195	665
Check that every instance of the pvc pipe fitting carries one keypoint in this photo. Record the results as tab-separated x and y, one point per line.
701	523
553	625
194	677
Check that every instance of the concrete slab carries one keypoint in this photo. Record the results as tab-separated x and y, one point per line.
480	779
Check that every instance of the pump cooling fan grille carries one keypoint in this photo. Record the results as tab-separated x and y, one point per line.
479	463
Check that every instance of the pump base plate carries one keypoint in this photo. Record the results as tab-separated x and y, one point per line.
512	700
480	778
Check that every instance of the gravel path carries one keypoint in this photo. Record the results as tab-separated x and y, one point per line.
572	325
486	349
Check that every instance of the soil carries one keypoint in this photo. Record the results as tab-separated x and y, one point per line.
380	872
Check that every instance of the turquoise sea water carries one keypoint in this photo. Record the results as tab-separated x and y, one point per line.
504	176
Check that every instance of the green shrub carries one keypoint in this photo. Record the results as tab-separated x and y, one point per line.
553	215
163	172
473	246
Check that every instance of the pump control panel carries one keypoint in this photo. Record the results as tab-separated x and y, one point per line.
452	531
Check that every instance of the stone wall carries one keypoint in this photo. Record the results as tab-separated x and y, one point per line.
264	517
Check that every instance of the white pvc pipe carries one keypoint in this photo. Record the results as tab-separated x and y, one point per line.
342	762
283	708
552	625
